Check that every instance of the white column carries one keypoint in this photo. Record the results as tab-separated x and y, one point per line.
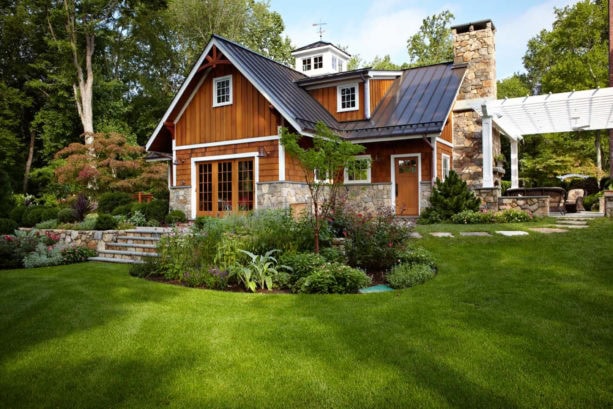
488	164
514	163
367	98
434	159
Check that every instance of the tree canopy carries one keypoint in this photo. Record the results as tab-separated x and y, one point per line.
433	43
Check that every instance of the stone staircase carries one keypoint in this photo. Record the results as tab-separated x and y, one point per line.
132	247
575	220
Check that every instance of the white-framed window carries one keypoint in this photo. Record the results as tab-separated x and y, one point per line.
334	62
340	65
445	166
347	98
306	64
222	91
322	176
359	171
318	62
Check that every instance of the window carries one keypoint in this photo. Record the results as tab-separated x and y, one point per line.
347	97
321	176
306	64
359	171
222	91
340	66
334	62
445	166
318	62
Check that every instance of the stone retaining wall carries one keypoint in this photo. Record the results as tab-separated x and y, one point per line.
180	199
489	197
537	205
608	204
93	239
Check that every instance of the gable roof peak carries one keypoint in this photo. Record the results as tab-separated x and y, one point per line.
320	44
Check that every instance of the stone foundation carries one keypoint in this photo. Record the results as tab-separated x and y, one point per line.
537	205
281	195
180	199
368	197
489	197
425	189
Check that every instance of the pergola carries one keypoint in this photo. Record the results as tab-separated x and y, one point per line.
515	117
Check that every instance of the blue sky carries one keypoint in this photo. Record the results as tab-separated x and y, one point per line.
380	27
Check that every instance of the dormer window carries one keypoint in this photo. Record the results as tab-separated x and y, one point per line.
340	65
222	91
347	98
306	64
318	62
334	62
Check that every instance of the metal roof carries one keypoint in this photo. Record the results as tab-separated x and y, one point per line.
564	112
418	102
319	44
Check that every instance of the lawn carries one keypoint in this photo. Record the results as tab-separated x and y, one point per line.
509	322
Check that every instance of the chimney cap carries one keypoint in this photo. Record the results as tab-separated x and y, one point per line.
475	25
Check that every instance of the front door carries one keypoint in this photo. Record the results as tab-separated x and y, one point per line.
407	186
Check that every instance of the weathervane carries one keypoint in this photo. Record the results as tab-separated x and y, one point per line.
320	29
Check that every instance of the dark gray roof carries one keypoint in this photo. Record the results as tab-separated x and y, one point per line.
318	44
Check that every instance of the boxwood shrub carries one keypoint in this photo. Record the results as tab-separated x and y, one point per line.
107	202
409	275
333	278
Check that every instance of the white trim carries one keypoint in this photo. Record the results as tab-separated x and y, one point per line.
367	98
323	48
195	161
281	157
228	78
487	148
434	165
444	142
189	100
368	171
228	142
393	173
443	157
174	163
339	89
514	163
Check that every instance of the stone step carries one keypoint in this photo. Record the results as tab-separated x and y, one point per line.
115	260
143	248
125	255
572	222
138	240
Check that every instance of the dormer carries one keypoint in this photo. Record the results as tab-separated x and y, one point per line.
320	58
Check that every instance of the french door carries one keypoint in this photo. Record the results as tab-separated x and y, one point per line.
225	186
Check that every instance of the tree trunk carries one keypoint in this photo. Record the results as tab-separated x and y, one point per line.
26	175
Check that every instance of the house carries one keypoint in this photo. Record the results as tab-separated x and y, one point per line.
221	132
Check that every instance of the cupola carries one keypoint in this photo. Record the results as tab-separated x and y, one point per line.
320	58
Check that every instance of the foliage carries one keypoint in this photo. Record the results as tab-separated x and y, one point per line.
105	222
513	87
214	279
77	254
416	255
409	275
176	255
66	215
36	214
116	166
229	251
123	210
273	229
8	226
109	201
149	267
590	200
502	216
259	272
47	224
81	206
373	239
137	218
328	156
17	214
156	210
175	216
44	256
449	197
333	278
6	194
433	43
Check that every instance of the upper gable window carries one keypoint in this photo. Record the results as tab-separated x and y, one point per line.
334	62
222	91
347	98
306	64
318	62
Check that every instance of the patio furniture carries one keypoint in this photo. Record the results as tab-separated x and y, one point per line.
574	201
556	195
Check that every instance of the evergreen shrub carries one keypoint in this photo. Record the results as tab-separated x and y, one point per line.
67	215
105	222
448	198
175	216
8	226
333	278
409	275
107	202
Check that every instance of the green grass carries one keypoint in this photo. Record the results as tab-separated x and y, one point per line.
509	322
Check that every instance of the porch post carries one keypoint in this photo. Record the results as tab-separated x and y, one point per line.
486	137
514	163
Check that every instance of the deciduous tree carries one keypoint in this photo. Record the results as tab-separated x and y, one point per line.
433	43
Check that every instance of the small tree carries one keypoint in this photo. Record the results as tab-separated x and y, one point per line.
448	198
322	165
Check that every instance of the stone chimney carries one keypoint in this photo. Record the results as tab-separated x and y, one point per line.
474	45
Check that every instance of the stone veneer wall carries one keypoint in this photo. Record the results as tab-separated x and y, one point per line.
180	199
473	44
93	239
280	195
425	189
537	205
369	198
489	197
608	203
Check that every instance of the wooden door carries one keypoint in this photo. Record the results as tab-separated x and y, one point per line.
407	186
225	186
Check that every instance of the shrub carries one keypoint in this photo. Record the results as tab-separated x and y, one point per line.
7	201
214	279
408	275
107	202
302	264
176	216
449	197
17	214
333	278
47	224
123	210
416	255
77	254
105	222
67	216
138	218
259	272
591	200
149	267
44	256
156	210
332	255
37	214
8	226
89	223
8	250
81	206
472	217
272	229
513	216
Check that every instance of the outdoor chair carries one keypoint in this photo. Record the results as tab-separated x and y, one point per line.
574	201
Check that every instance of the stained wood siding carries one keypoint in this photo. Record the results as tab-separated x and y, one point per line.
328	98
447	133
268	166
249	115
378	89
381	158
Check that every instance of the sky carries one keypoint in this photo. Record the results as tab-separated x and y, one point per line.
372	28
